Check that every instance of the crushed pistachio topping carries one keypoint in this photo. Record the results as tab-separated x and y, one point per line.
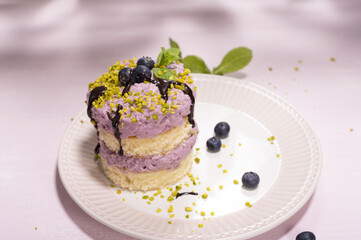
197	160
170	209
225	171
235	181
159	210
119	192
187	216
188	209
203	213
221	187
172	215
205	195
200	225
220	165
212	213
136	101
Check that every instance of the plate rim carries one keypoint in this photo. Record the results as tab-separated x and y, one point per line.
247	235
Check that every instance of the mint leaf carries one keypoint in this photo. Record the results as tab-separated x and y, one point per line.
164	73
174	44
195	64
234	60
167	56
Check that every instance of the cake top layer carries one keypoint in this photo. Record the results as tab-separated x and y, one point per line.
142	104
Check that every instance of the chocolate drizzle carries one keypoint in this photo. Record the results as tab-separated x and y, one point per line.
96	150
94	95
115	123
163	86
185	193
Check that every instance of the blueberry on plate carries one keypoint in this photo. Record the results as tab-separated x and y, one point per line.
306	236
214	144
222	129
250	180
124	76
146	61
141	73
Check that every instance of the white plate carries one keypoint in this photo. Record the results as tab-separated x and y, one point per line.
254	114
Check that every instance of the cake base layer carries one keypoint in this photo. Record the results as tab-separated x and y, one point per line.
146	181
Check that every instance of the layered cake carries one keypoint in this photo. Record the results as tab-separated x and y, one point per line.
143	113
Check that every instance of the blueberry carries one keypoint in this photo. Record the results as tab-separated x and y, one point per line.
306	236
250	180
146	61
124	76
222	129
214	144
141	73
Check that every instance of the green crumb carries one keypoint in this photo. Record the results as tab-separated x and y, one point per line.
200	225
205	195
151	199
145	197
162	196
197	149
170	209
134	120
197	160
170	222
170	198
188	209
178	187
221	187
194	203
155	117
220	165
148	202
187	216
123	199
271	138
235	181
225	171
159	210
81	121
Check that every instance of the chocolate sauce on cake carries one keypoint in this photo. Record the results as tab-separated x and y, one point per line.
94	95
115	124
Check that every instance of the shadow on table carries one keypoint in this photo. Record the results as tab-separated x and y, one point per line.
278	232
87	224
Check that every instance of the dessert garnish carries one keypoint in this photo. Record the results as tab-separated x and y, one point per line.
306	236
214	144
222	129
250	180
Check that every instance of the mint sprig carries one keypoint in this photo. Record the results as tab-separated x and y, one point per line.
166	56
234	60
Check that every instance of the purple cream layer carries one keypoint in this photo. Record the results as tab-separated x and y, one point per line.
151	163
146	126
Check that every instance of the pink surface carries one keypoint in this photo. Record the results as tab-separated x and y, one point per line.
51	50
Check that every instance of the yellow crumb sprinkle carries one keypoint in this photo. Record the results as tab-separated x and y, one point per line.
112	185
220	165
351	129
151	199
221	187
208	188
159	210
197	160
187	216
235	181
205	195
224	170
223	146
212	213
200	225
203	213
332	59
119	192
170	209
197	149
194	203
239	144
170	222
145	197
172	215
188	209
36	228
296	69
278	155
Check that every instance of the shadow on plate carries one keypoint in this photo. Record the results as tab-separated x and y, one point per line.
281	230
